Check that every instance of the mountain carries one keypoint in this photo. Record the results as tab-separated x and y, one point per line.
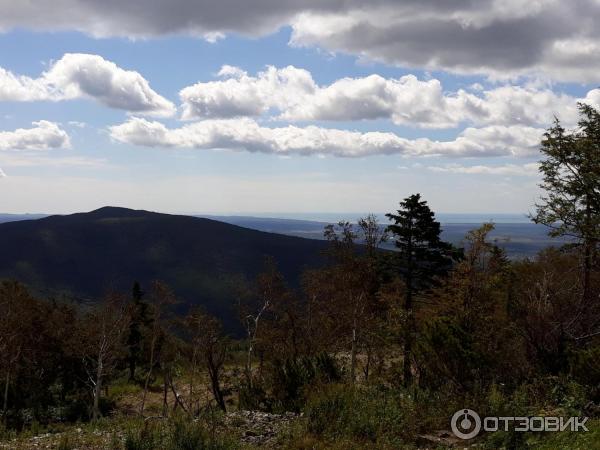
203	260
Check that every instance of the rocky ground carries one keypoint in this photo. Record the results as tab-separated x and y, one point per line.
254	428
259	428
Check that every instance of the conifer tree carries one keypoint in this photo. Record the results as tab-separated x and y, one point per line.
421	256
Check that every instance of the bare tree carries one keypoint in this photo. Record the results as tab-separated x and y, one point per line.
372	233
252	322
102	333
209	342
351	278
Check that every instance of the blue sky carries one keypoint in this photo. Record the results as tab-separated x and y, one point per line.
182	114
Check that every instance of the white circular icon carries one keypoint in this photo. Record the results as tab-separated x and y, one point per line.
465	423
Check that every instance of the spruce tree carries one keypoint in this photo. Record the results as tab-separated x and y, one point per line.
421	256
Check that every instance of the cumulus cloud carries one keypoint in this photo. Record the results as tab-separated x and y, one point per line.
78	75
239	94
43	135
501	38
20	88
294	94
246	134
526	170
593	98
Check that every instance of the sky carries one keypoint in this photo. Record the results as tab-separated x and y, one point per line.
286	106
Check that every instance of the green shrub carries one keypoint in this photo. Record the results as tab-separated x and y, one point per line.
585	365
179	433
186	435
292	377
253	398
144	437
362	414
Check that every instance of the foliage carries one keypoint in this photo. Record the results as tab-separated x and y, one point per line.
571	204
292	377
570	170
363	415
177	433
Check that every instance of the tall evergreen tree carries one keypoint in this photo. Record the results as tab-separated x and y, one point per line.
571	179
421	256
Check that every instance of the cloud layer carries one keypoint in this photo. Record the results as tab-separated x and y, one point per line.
43	135
78	75
525	170
295	96
246	134
500	38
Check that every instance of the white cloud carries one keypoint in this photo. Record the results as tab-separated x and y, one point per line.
78	75
517	105
499	38
409	101
242	95
405	101
246	134
2	174
293	93
43	135
526	170
593	98
21	88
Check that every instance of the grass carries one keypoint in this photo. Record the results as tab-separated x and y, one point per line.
336	416
364	415
566	440
176	434
122	388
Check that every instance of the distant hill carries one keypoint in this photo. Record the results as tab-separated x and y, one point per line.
203	260
520	239
15	217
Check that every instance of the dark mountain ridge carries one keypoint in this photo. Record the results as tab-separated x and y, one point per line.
203	260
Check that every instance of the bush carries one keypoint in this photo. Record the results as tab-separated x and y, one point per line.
365	414
186	435
146	437
555	396
179	433
253	398
292	377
